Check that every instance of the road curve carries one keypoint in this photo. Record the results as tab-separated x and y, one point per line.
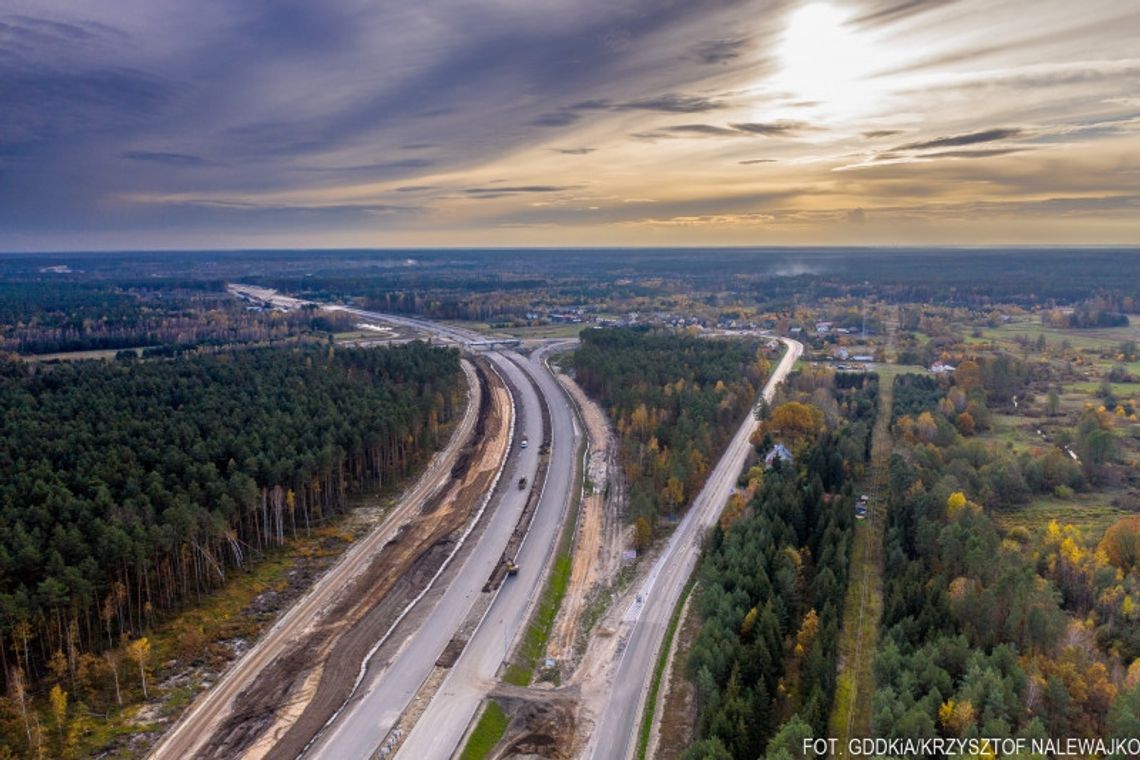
643	625
442	726
203	717
374	711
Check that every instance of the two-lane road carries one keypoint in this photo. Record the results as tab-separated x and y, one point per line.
643	626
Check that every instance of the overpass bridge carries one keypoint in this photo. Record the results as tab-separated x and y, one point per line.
491	344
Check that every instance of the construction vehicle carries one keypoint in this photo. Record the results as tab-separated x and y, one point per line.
512	567
522	483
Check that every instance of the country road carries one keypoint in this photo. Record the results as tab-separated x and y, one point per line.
203	717
644	623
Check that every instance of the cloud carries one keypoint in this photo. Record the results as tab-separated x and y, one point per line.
504	191
673	103
747	129
376	167
720	51
42	105
772	128
252	206
705	130
555	119
983	153
168	159
899	10
102	104
969	138
667	103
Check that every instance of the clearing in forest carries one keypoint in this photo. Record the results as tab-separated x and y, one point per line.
863	605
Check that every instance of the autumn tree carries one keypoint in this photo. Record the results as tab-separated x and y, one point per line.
18	693
642	534
1121	544
139	651
112	659
58	701
798	424
968	375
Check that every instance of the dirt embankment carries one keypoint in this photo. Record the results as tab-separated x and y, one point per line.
302	688
600	536
547	722
675	722
542	724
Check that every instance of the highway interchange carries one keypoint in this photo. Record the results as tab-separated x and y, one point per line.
367	720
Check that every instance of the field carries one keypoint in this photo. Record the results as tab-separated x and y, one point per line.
1090	513
74	356
1077	359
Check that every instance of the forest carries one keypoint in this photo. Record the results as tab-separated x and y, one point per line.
772	581
994	634
133	488
675	400
1088	287
38	317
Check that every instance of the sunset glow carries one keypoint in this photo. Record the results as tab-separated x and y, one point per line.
571	123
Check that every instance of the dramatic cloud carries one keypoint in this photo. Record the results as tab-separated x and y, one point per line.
173	123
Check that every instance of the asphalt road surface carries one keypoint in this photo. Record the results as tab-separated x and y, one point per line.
349	730
643	626
441	727
372	713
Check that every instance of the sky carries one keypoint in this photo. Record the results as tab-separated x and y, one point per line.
355	123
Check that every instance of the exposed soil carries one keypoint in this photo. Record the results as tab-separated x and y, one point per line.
600	538
675	726
541	721
296	694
